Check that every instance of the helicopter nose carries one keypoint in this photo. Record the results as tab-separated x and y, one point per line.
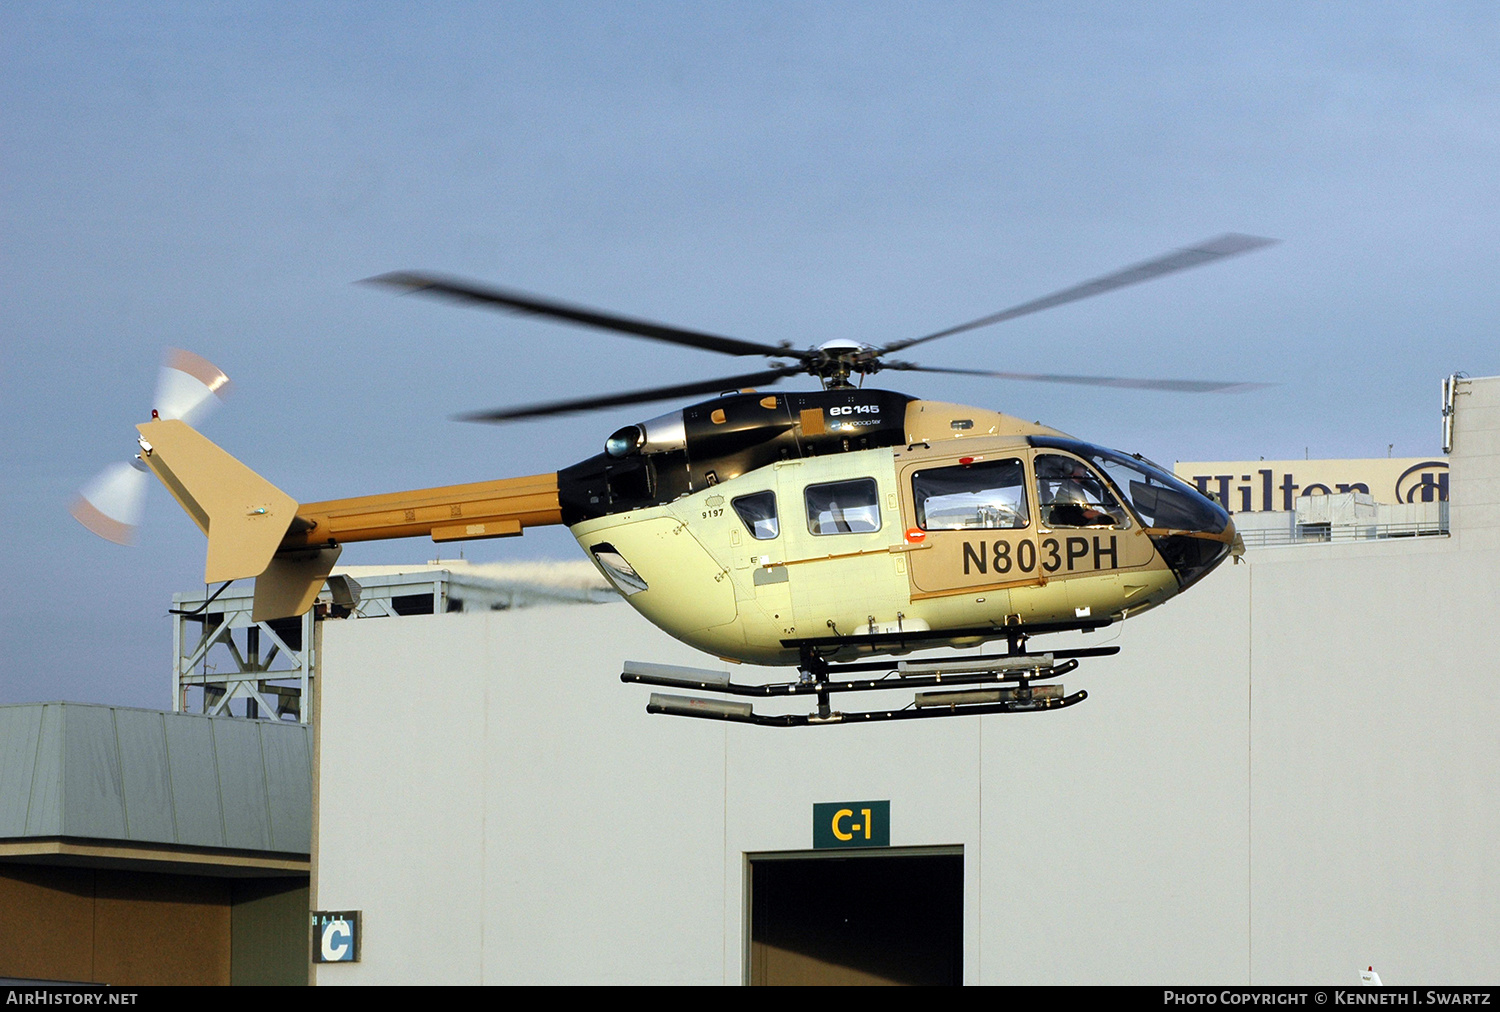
1193	554
1191	531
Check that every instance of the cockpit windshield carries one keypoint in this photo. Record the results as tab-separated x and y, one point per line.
1159	498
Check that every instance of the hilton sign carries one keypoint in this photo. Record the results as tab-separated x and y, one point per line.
1248	486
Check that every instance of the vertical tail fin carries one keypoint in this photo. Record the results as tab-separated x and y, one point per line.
243	514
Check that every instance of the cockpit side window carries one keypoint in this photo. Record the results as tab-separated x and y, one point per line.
984	495
1160	499
1069	494
757	512
843	507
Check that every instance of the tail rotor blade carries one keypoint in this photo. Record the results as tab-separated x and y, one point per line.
188	387
110	505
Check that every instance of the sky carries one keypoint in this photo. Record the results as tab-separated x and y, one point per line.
218	177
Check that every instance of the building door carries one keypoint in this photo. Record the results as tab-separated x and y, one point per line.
879	917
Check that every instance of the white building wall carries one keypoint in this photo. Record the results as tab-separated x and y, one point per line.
1116	840
498	820
1289	773
1373	789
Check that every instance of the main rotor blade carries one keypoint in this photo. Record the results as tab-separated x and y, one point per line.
1178	386
520	302
753	379
1204	252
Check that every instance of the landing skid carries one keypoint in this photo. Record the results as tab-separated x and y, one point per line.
992	684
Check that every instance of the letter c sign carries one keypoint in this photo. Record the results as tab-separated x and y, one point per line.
338	942
335	936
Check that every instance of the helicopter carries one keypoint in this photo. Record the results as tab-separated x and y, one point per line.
815	528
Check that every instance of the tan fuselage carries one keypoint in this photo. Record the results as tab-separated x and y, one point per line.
711	584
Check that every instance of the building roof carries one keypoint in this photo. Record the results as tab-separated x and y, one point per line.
151	782
540	581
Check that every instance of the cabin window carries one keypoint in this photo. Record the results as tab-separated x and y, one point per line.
758	513
843	507
984	495
621	573
1069	494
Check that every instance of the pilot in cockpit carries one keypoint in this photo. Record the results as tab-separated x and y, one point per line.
1071	496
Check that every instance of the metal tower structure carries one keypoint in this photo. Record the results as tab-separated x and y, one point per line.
227	664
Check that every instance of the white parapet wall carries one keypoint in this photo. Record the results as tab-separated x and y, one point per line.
1474	491
1288	774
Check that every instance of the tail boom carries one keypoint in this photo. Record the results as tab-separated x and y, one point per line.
256	530
484	509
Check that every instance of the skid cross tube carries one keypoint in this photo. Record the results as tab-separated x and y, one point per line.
914	639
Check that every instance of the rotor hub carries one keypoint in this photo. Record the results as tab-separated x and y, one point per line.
835	361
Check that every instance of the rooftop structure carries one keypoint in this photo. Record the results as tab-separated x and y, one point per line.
226	664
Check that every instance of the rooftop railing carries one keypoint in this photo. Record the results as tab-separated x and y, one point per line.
1322	534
